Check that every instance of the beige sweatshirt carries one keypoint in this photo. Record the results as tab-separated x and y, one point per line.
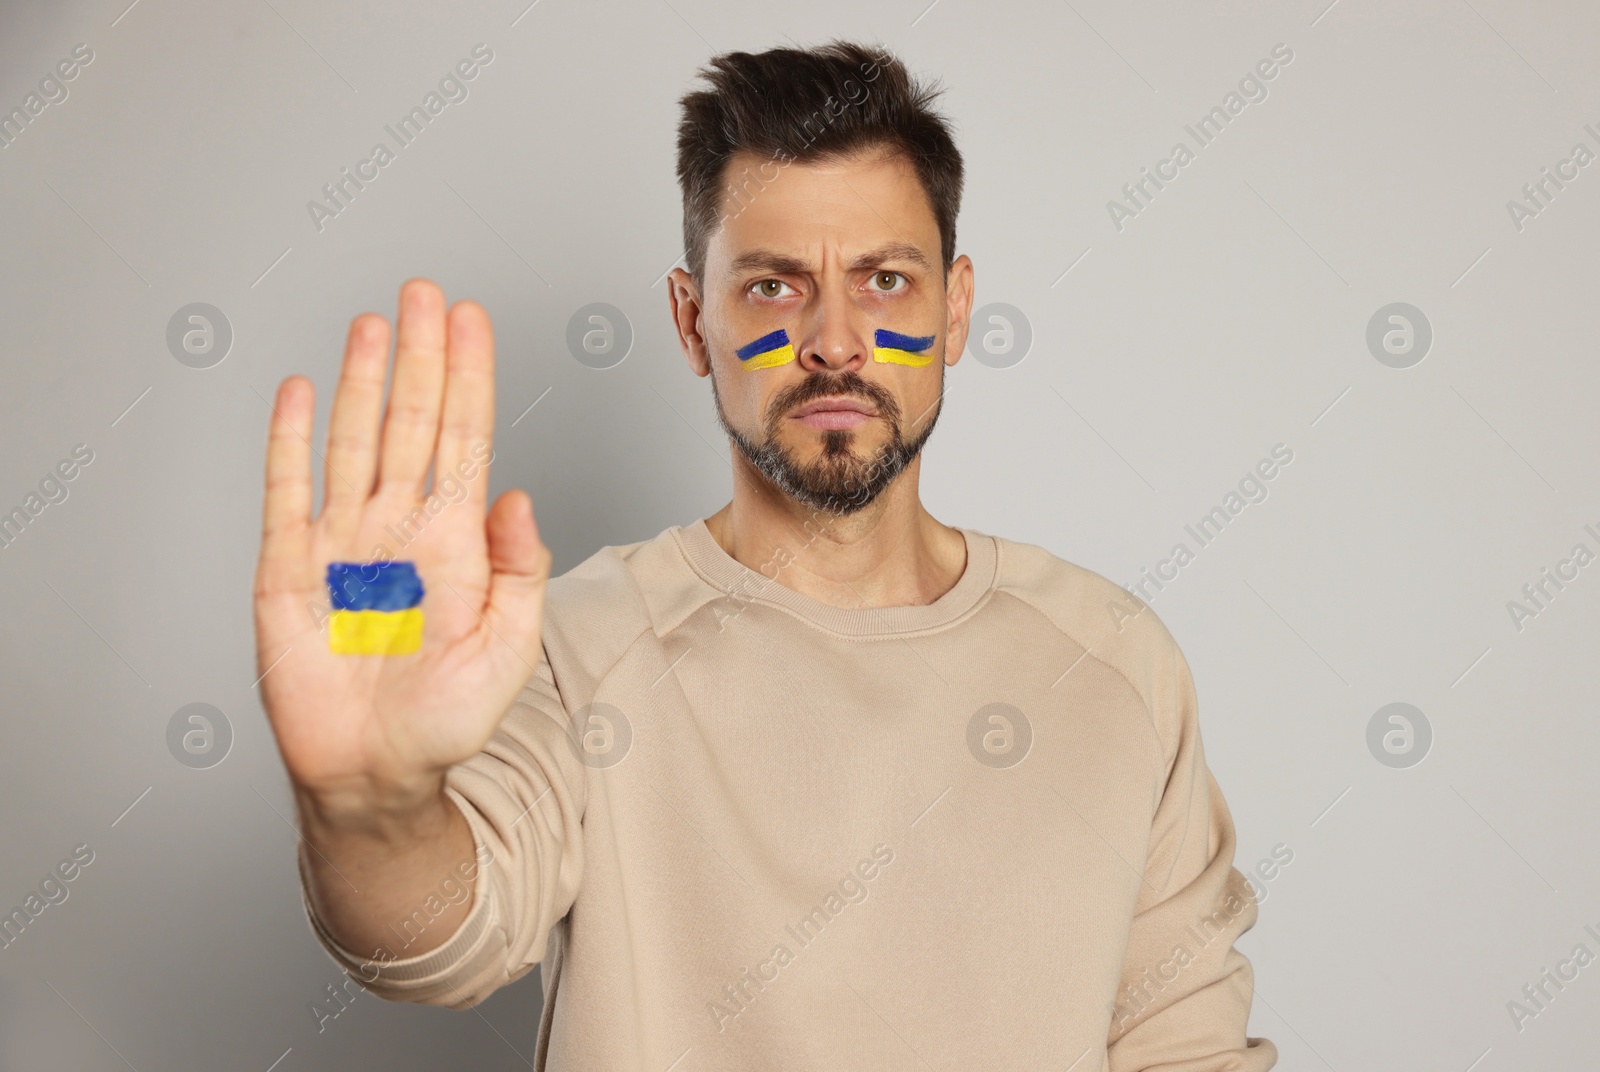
744	829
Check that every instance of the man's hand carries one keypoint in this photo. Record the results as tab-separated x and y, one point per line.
367	738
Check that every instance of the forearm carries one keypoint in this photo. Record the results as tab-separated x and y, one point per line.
372	862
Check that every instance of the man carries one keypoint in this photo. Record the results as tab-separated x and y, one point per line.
817	782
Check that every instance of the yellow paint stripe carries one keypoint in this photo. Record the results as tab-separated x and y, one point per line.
889	355
375	632
771	358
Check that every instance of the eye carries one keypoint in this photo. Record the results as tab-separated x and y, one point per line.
887	277
769	288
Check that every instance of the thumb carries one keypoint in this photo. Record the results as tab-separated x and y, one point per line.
519	564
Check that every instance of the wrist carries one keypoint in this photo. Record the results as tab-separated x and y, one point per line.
389	811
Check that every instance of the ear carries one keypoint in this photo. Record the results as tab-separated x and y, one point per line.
958	308
684	298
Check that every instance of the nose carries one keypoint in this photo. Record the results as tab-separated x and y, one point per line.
832	340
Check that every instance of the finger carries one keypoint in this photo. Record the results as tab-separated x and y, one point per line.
467	427
353	427
411	426
521	568
286	510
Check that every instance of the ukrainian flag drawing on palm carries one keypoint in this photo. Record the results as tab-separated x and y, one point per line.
894	348
377	616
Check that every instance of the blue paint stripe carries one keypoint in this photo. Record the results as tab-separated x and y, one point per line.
374	585
896	341
767	342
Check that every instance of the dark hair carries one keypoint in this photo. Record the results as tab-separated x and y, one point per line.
813	104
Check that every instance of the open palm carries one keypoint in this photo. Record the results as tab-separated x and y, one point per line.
391	722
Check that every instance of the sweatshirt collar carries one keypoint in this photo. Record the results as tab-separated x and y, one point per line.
739	583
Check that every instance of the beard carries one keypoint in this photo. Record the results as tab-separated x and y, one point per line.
841	481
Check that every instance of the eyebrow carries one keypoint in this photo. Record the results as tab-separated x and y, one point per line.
767	260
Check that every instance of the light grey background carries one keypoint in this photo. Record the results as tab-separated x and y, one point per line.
1229	316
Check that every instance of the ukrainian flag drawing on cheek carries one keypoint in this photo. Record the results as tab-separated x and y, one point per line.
769	351
891	347
376	608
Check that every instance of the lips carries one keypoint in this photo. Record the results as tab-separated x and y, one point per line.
847	405
835	414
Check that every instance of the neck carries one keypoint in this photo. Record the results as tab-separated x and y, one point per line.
890	553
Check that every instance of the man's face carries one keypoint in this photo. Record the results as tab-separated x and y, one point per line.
832	255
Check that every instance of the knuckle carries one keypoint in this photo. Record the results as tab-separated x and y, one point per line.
347	444
411	413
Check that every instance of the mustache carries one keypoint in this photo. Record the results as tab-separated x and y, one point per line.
826	384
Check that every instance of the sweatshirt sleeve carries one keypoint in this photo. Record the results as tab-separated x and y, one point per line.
1185	995
523	798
